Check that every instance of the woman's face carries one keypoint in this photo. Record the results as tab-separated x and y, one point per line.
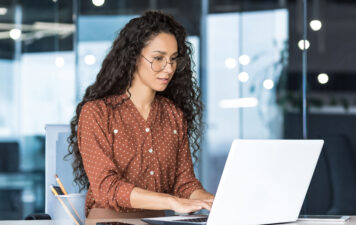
157	63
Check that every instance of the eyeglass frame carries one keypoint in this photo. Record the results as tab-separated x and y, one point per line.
151	62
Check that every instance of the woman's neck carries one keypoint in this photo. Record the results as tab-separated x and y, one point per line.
142	97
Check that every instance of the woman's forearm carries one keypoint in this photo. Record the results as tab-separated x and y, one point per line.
145	199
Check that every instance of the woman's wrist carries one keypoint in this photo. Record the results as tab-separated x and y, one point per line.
170	199
201	194
144	199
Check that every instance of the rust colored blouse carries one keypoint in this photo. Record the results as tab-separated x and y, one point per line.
120	150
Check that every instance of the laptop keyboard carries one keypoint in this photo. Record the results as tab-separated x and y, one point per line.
194	220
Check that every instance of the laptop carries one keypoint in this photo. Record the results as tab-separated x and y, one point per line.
263	182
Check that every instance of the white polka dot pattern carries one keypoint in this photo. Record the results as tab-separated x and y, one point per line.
121	150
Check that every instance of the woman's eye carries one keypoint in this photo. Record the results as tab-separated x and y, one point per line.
158	58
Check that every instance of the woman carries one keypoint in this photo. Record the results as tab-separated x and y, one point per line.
130	136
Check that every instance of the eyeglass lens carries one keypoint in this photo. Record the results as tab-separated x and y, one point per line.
159	64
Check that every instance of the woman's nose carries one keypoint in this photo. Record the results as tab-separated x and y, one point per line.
169	67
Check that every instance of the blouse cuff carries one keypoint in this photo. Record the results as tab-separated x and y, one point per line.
189	190
123	195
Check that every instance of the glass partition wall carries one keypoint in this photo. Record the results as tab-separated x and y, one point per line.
331	87
36	88
248	60
247	56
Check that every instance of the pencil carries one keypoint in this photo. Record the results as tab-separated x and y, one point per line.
65	192
64	206
61	185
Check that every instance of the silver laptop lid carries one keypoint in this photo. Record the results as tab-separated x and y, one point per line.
264	181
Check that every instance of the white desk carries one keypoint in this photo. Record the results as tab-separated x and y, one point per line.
352	221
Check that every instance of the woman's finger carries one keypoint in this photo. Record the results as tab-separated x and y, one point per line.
195	208
205	205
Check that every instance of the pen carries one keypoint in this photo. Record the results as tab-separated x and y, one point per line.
65	193
64	206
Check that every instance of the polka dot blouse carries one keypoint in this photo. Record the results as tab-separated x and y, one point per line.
120	150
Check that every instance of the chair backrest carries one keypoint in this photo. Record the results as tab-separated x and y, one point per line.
56	149
10	156
11	204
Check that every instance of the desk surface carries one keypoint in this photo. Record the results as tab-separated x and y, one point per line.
352	221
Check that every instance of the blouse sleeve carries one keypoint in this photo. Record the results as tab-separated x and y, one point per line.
109	187
185	182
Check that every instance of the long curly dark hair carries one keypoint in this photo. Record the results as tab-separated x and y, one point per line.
117	72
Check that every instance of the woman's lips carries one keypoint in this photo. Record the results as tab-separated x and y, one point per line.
163	80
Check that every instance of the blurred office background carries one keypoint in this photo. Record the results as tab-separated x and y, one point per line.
248	60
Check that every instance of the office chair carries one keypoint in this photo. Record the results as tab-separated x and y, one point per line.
341	160
56	149
336	174
333	187
10	163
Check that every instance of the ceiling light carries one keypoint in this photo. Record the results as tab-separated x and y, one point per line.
315	25
230	63
89	59
268	84
301	44
98	2
59	62
238	103
39	35
323	78
243	77
244	59
3	11
15	34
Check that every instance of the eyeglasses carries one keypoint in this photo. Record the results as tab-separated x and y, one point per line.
159	63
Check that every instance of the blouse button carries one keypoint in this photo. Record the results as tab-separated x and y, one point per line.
174	131
152	173
116	131
150	150
147	129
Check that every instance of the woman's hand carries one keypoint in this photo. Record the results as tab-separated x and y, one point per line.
182	205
